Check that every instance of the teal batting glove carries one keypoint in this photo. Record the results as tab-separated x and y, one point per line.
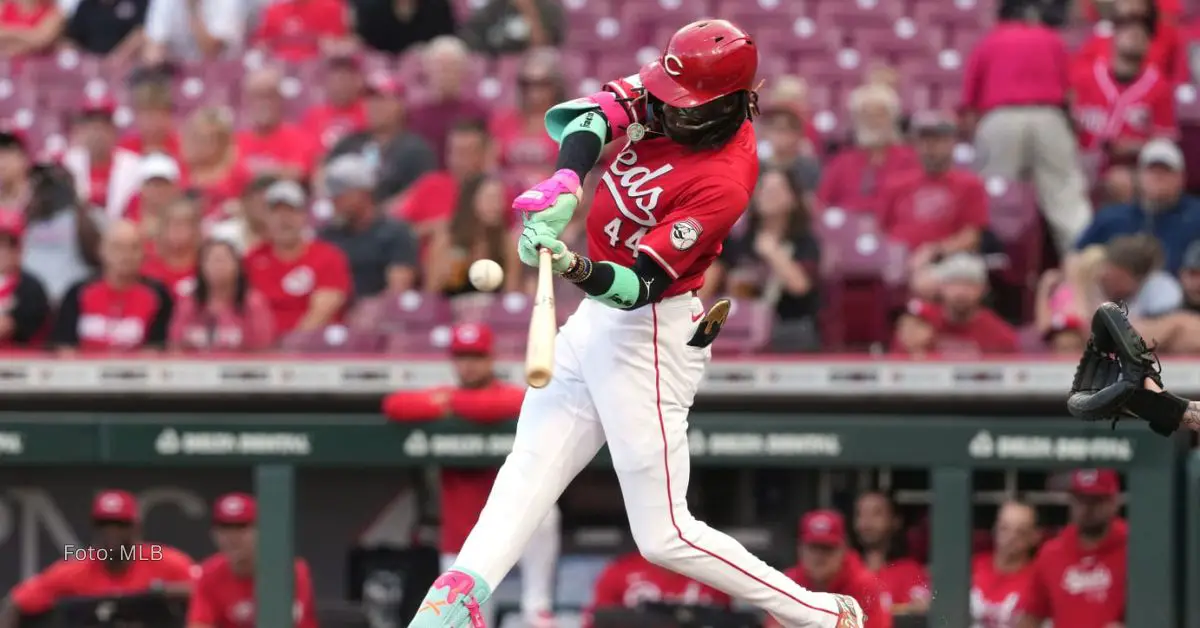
552	202
536	237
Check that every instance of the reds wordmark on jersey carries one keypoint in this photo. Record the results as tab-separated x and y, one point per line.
676	205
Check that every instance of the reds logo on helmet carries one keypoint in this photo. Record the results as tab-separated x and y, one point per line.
704	61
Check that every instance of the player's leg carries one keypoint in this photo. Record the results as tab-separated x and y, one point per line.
557	435
643	395
539	565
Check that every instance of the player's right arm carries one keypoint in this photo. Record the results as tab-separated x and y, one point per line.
1034	605
38	594
202	609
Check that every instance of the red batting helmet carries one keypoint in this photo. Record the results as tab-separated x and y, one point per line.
703	61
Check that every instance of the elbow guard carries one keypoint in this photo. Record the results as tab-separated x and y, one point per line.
619	102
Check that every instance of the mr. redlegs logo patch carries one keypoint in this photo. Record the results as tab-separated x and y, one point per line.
685	233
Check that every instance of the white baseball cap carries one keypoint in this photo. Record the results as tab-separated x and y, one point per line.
158	166
1161	152
287	192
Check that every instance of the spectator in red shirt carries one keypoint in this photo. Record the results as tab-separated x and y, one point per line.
855	178
630	581
271	145
479	397
879	530
433	197
525	150
939	210
917	327
446	62
1166	47
1001	577
171	259
1016	84
1121	102
24	306
100	568
344	110
968	327
223	313
224	593
247	228
827	565
106	176
299	30
153	119
14	167
160	187
305	281
29	27
1079	577
119	311
212	162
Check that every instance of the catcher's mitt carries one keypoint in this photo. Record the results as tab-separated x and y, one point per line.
1110	379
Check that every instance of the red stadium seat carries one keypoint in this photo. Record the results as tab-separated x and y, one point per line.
747	329
413	310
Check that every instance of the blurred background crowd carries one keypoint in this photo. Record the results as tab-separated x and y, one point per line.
938	178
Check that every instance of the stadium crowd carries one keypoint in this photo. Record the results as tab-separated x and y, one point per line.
339	163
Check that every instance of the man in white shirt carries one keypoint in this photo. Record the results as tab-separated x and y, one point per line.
194	30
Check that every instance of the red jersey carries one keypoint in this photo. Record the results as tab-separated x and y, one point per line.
432	197
983	332
288	284
292	29
527	155
330	124
1077	587
1166	51
14	16
630	580
285	146
1106	110
154	565
179	280
903	581
851	181
854	580
464	491
995	595
218	192
223	599
100	175
924	209
96	316
659	199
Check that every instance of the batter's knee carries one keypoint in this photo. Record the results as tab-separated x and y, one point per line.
662	545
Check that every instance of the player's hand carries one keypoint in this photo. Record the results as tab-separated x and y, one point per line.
536	237
552	202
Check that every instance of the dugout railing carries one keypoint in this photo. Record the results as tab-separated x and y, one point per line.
952	448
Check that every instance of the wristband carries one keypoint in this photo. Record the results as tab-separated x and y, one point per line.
579	271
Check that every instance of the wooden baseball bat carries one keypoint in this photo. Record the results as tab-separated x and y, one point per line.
543	326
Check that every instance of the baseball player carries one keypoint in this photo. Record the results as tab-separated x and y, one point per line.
629	360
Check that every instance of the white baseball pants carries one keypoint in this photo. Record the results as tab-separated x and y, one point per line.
628	378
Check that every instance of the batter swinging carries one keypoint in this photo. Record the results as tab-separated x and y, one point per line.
629	360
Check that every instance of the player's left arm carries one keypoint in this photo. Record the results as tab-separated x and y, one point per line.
697	228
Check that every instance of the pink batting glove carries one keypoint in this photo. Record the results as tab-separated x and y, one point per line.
544	195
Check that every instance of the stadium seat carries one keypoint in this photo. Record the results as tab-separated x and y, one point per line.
747	329
413	311
333	339
1015	221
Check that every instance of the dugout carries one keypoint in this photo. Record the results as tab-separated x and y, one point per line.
951	447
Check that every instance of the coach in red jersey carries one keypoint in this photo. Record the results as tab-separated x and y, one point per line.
306	282
480	397
1121	102
116	562
1079	577
119	311
224	593
827	564
1001	577
880	534
630	581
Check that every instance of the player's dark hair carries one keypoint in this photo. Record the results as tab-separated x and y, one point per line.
472	125
898	543
799	221
203	292
707	126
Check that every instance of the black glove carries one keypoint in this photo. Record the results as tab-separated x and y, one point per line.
1110	379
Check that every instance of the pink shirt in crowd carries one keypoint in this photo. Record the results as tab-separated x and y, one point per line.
1017	64
220	328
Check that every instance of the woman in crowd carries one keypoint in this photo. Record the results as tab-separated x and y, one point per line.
525	149
478	229
212	163
776	242
172	257
222	313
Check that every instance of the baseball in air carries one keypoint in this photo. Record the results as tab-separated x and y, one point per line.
486	275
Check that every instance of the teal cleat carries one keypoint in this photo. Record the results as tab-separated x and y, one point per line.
453	602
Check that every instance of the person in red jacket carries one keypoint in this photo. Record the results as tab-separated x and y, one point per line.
829	566
879	530
224	593
999	578
480	397
1079	577
630	580
116	562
